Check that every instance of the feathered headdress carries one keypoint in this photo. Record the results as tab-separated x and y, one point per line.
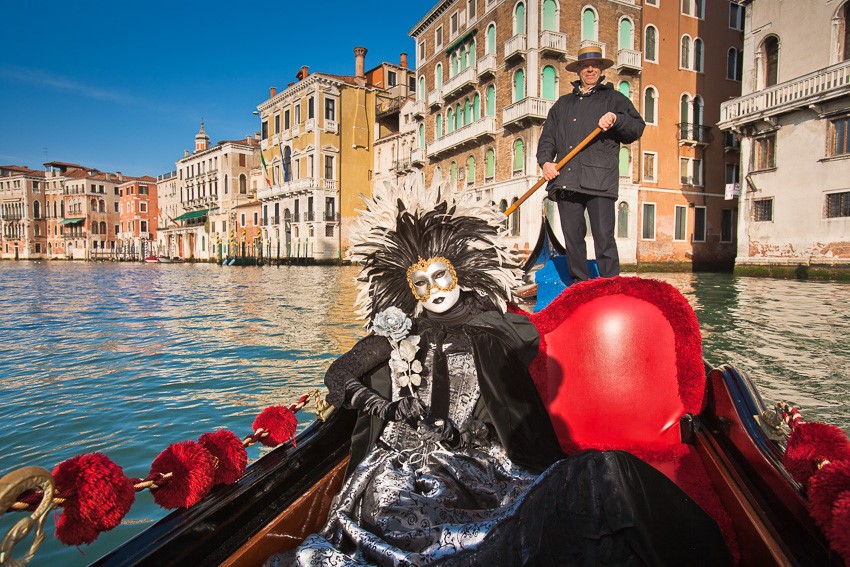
402	224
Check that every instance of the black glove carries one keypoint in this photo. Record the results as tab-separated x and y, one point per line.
409	408
439	431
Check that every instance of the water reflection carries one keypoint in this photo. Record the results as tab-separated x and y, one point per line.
126	359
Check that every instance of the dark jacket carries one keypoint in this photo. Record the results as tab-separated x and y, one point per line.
595	170
503	347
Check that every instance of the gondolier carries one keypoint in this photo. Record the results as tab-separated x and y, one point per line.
590	181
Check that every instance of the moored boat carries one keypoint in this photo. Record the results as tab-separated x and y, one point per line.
152	258
631	351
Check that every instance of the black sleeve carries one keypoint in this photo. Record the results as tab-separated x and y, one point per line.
344	377
629	125
547	149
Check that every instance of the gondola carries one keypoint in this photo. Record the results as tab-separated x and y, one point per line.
637	381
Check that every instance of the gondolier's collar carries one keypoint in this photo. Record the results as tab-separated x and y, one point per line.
601	85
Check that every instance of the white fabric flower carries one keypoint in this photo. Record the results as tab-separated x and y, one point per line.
392	323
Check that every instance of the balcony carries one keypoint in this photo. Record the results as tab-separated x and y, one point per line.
825	84
457	84
485	126
629	59
402	165
331	126
296	130
288	188
417	157
309	125
690	134
330	216
517	46
526	109
419	109
487	65
553	42
435	97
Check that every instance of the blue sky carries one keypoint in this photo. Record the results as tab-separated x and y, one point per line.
123	86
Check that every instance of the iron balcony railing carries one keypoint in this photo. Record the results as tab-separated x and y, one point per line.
689	132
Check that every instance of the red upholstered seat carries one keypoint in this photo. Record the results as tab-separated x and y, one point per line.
620	364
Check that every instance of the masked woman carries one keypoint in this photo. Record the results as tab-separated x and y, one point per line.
454	460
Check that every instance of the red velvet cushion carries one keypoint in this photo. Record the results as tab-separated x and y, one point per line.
612	376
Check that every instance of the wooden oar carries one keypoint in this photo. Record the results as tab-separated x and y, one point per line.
558	167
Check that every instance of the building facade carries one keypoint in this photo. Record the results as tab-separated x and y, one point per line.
317	142
23	227
685	164
211	181
138	218
169	207
793	118
490	70
395	124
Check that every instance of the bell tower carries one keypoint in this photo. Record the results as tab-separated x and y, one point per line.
202	141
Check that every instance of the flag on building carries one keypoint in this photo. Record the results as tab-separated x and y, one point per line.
265	169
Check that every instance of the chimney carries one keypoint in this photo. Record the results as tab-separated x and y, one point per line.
272	92
403	63
185	153
302	74
120	177
359	60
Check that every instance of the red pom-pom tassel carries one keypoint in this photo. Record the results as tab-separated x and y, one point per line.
193	471
840	533
825	488
97	497
279	422
811	443
231	456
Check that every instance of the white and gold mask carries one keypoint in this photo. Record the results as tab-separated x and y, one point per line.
434	283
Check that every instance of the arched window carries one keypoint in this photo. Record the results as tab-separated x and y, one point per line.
226	188
450	121
515	219
438	76
519	18
698	55
519	156
422	136
549	88
732	64
467	119
470	49
103	227
846	22
770	49
101	206
697	111
650	101
685	113
589	24
625	89
623	220
490	164
470	170
243	184
685	59
624	161
453	68
627	35
503	206
519	85
464	58
421	94
650	44
458	116
490	43
476	106
454	173
36	210
491	100
438	126
550	15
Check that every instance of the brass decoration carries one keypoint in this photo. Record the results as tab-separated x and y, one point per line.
323	408
12	486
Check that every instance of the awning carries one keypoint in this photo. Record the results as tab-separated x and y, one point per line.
192	215
71	221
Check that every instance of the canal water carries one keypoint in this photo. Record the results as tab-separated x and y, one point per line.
127	358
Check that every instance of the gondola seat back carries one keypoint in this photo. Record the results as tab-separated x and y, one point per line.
620	365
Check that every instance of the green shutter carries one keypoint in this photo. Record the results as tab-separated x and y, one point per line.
549	83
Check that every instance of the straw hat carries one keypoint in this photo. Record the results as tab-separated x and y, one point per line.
589	53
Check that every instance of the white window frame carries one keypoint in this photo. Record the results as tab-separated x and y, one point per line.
741	12
643	177
643	208
676	210
657	39
438	37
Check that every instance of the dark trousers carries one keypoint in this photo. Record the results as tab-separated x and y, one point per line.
600	210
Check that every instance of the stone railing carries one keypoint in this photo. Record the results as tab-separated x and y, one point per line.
459	81
629	59
419	108
305	184
435	97
527	108
483	126
487	64
515	45
331	126
830	82
599	44
553	41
